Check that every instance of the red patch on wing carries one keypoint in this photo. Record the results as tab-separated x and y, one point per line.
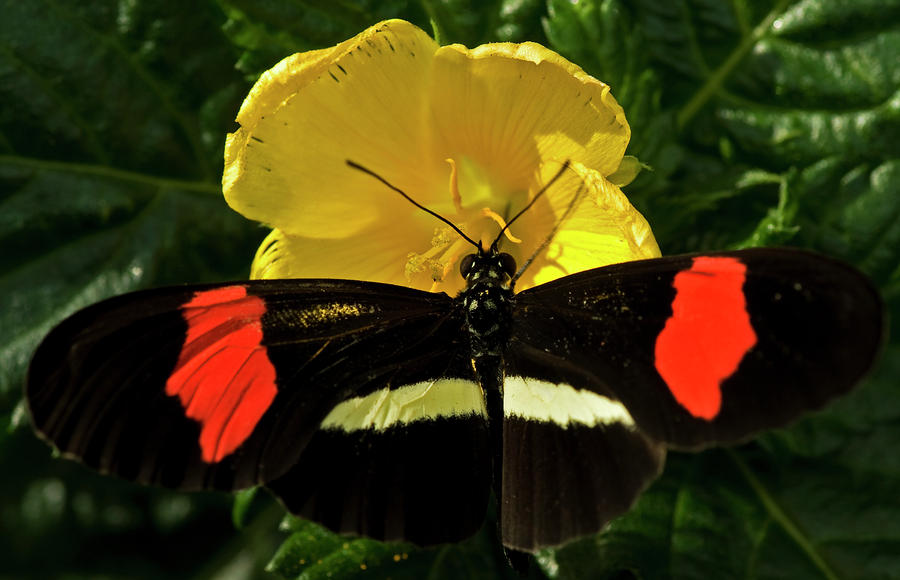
223	376
707	335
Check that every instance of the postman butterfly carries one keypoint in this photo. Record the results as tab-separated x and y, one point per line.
394	413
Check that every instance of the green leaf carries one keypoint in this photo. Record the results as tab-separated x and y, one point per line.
471	22
267	31
313	553
781	87
243	501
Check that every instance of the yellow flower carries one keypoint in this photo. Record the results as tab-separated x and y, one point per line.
470	134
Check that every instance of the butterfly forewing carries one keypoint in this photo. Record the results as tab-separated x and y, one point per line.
707	349
223	386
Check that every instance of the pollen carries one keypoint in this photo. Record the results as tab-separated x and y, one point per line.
439	261
336	310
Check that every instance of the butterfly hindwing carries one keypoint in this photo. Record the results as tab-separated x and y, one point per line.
424	481
407	457
573	459
708	349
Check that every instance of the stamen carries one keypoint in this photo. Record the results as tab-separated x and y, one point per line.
450	259
489	213
444	237
440	259
454	184
415	263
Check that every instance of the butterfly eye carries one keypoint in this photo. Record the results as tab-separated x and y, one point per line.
508	263
465	265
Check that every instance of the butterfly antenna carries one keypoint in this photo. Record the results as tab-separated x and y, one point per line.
533	200
572	204
368	171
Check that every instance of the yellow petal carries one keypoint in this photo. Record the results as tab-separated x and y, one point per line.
362	100
512	106
603	228
381	255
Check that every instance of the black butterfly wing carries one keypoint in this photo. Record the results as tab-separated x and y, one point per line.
278	383
757	337
572	458
682	351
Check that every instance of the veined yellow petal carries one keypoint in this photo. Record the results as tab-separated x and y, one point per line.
509	107
283	256
602	229
380	255
363	100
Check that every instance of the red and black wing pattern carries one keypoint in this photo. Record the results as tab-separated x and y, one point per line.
682	352
710	349
261	382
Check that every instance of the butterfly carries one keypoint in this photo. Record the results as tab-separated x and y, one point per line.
394	413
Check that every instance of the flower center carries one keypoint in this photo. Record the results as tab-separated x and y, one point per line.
438	262
475	199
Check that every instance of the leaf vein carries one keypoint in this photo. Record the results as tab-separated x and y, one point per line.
777	513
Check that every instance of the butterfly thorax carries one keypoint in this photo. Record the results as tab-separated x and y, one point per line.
487	301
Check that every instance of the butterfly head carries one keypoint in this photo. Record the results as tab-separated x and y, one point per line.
491	265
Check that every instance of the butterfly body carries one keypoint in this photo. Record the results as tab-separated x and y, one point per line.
390	412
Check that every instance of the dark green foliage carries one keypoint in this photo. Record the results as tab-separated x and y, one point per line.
770	122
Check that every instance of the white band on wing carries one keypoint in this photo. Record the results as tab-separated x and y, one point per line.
536	400
385	408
